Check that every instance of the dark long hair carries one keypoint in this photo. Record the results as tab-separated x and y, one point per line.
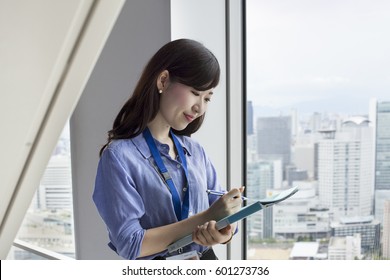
188	62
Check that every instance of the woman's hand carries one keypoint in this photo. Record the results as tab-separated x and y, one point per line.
226	205
208	235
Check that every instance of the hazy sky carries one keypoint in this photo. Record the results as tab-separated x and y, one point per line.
318	55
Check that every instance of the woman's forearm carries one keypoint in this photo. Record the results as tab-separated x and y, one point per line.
159	238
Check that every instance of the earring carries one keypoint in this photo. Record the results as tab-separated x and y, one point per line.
160	91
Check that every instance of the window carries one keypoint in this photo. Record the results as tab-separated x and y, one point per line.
317	80
48	223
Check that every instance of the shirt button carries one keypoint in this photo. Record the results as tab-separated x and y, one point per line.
178	166
184	189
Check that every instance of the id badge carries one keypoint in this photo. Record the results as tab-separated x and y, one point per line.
192	255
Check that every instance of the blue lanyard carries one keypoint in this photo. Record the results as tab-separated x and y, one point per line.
181	211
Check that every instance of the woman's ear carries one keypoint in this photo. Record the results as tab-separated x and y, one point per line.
163	80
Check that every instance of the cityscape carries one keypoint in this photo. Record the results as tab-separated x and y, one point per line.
341	165
339	162
318	117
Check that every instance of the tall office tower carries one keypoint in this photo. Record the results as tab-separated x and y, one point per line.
261	175
386	230
274	139
55	190
345	169
314	122
302	153
382	164
249	118
294	123
380	117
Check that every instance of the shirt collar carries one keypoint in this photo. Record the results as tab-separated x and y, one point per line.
140	142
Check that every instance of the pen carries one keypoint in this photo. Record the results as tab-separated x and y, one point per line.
222	193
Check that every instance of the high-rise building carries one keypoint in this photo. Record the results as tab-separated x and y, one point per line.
261	176
274	139
315	122
345	169
380	118
55	190
386	230
294	123
303	153
382	158
249	118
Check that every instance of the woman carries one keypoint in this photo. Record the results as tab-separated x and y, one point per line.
152	178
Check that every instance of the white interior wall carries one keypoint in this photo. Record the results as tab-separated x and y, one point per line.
189	20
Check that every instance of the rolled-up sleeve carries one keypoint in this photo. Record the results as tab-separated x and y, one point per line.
119	205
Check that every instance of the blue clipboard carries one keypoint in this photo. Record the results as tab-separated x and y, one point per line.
242	214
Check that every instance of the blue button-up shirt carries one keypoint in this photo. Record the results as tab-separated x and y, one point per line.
132	197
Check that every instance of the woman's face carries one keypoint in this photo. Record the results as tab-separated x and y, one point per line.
181	104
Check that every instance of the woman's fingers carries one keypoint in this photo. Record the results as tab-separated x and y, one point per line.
233	197
227	204
235	193
208	235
